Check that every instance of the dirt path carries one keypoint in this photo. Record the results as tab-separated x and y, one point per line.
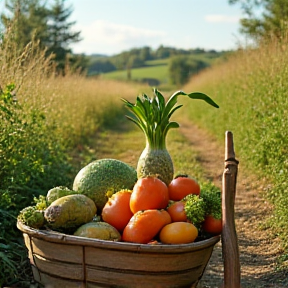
258	248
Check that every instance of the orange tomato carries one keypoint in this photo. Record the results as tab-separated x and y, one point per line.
178	233
177	211
182	186
117	210
145	225
149	193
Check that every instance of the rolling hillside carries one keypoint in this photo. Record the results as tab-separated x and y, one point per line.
153	69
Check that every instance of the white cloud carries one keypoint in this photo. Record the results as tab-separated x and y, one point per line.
222	18
108	37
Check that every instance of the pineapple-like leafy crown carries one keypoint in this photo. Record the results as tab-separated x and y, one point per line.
152	115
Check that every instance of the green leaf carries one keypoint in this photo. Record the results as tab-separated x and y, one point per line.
152	114
169	126
139	124
173	110
161	100
172	102
202	96
138	111
141	105
173	125
147	105
127	103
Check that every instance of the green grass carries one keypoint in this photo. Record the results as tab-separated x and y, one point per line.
158	72
251	89
157	62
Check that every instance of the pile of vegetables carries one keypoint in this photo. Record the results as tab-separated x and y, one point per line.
151	212
111	200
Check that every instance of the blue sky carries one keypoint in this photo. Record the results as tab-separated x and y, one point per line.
112	26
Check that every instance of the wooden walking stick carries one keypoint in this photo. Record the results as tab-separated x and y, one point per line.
230	248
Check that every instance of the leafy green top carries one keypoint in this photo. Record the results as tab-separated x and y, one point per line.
212	198
153	114
194	209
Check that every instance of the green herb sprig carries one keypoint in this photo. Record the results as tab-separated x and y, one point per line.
194	209
212	199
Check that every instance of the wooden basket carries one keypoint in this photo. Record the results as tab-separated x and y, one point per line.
60	260
65	261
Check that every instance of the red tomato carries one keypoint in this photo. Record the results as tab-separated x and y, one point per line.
212	225
149	193
177	211
183	186
116	211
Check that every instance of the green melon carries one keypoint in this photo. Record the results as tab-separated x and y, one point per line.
100	179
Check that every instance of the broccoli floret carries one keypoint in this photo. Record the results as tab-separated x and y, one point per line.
58	192
194	209
31	217
40	203
212	199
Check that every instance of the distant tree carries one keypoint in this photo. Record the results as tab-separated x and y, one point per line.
135	62
101	66
197	51
145	54
120	60
182	67
32	19
29	18
60	35
163	52
273	19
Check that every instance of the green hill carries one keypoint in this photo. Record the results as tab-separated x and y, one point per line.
154	67
155	73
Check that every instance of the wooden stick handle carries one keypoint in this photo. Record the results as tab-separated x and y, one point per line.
230	248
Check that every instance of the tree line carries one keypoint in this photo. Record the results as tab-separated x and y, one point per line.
182	63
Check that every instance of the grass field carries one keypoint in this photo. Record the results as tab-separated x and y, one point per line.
156	69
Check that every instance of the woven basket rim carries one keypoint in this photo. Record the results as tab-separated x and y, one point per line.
57	237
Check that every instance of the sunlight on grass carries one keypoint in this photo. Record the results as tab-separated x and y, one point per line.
251	90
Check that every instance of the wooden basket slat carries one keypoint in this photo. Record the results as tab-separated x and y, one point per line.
60	269
69	253
135	279
151	262
28	245
56	282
